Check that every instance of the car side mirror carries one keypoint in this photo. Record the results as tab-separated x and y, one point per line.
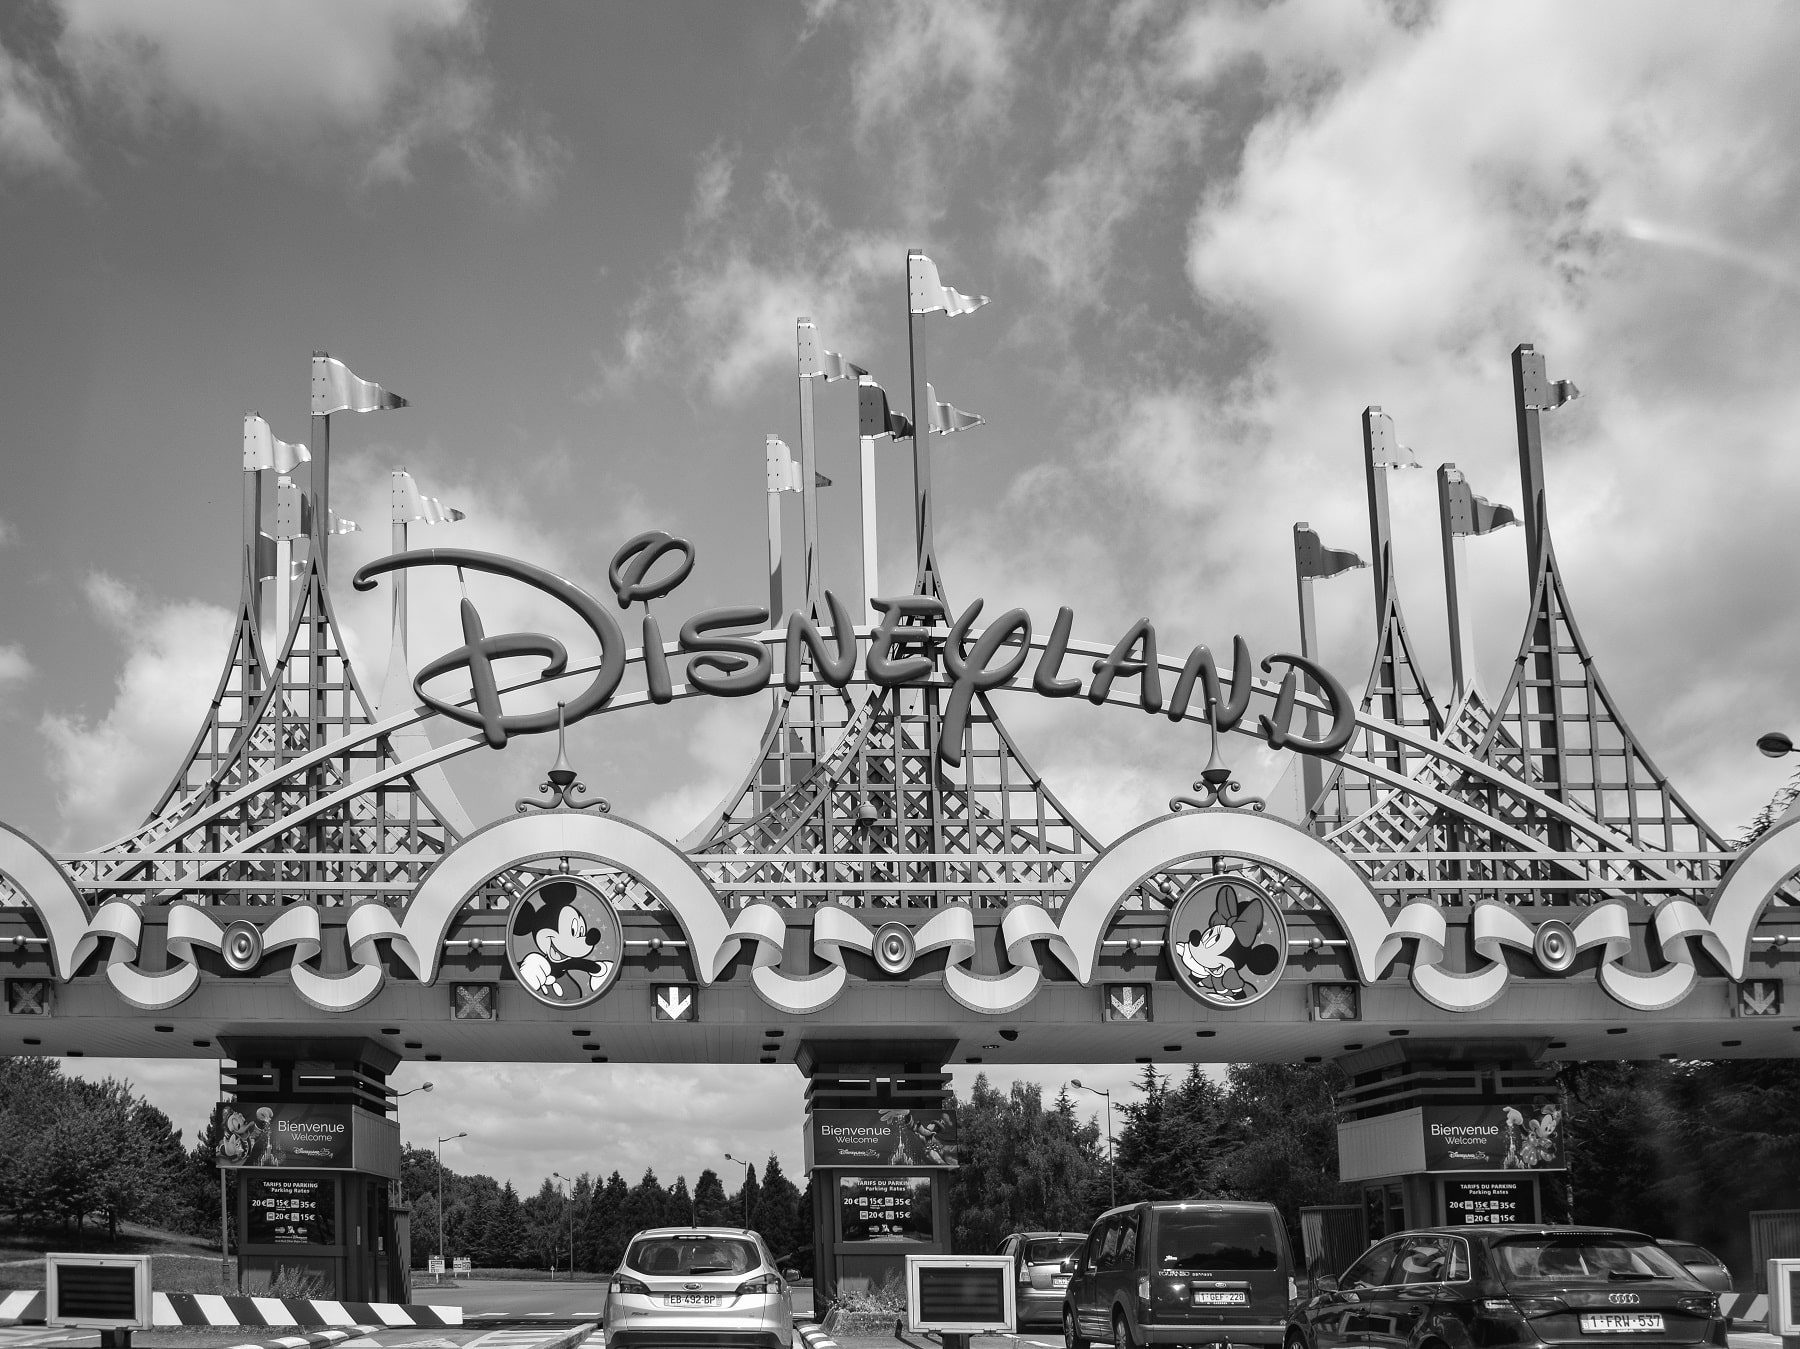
1325	1283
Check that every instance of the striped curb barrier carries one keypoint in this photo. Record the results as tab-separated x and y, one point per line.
814	1335
323	1337
26	1307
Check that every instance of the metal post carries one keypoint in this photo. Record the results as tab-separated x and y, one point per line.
225	1234
1529	377
869	552
1455	522
1112	1161
1312	773
921	417
398	504
804	335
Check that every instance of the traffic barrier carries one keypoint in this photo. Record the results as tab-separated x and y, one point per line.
1745	1307
26	1307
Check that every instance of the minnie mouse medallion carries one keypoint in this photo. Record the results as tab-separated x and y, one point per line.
1227	941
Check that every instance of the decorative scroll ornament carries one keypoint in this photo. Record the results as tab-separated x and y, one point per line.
1215	779
560	783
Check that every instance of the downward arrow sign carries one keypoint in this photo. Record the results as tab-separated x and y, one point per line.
1758	998
674	1003
1128	1004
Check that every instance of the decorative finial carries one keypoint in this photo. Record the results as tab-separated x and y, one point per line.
561	783
1215	784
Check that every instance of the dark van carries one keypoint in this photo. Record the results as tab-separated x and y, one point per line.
1190	1272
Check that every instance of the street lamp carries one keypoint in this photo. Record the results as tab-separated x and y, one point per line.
1112	1162
448	1138
746	1187
410	1090
1775	743
569	1215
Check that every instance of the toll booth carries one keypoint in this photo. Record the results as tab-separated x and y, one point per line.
1448	1132
307	1127
880	1147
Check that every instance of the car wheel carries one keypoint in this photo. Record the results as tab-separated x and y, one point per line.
1072	1336
1296	1339
1122	1332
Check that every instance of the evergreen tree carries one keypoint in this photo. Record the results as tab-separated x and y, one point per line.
645	1205
1147	1145
612	1227
711	1207
679	1210
506	1232
776	1215
1284	1118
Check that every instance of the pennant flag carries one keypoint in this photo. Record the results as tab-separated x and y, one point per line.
1312	559
1470	514
820	480
335	389
339	525
926	294
262	450
408	503
815	362
1385	448
877	419
945	419
784	473
834	366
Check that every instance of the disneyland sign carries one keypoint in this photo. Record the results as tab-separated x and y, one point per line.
917	642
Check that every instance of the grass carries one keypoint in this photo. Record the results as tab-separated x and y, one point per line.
179	1263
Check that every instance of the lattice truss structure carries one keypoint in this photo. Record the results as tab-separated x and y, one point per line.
268	807
849	803
1481	822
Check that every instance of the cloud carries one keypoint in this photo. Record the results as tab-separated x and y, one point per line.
8	534
34	133
14	667
383	81
107	770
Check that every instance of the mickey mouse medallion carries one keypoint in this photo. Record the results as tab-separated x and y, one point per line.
1227	941
564	942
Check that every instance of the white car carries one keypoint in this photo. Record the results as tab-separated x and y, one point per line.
716	1286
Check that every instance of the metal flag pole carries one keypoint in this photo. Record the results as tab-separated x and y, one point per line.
806	340
321	475
399	511
1312	561
918	302
866	459
777	588
290	524
1455	524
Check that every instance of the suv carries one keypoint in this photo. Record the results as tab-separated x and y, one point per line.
698	1285
1509	1284
1193	1271
1041	1264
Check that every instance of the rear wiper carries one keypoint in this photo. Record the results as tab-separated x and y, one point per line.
710	1269
1629	1275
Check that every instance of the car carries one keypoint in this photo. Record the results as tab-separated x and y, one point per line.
717	1286
1509	1284
1042	1262
1701	1263
1194	1271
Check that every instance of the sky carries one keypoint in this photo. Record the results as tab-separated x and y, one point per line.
576	238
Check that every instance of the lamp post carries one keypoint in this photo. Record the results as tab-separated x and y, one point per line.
745	1191
569	1216
1112	1161
448	1138
1775	743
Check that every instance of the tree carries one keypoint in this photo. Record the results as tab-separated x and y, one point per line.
776	1214
678	1207
1022	1166
506	1231
1284	1143
611	1226
1148	1147
711	1207
544	1226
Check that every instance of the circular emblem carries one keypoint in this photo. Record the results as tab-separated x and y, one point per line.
242	946
564	942
893	948
1227	941
1554	946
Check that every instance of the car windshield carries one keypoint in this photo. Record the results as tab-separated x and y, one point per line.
1203	1240
1051	1250
1583	1257
1689	1255
692	1255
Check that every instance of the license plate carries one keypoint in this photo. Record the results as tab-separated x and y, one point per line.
692	1299
1210	1297
1617	1323
1059	1280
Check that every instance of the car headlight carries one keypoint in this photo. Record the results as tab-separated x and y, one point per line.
623	1284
